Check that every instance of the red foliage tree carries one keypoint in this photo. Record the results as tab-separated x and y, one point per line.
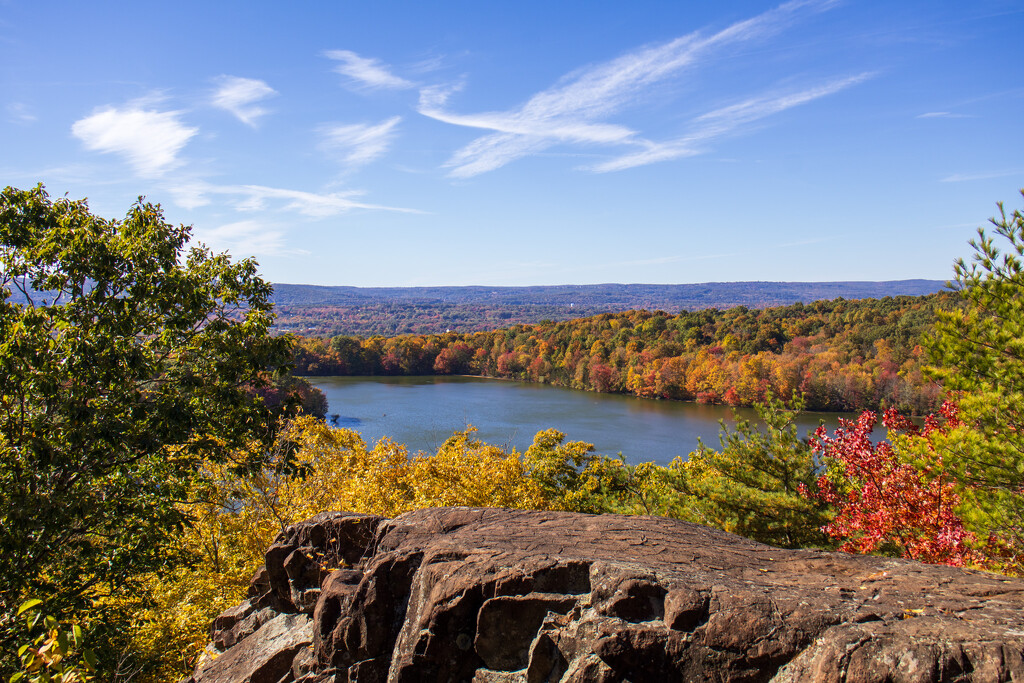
507	364
602	376
885	504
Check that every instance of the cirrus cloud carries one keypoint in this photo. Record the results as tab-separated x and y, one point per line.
367	71
19	112
359	144
250	198
149	140
572	110
724	121
247	238
238	95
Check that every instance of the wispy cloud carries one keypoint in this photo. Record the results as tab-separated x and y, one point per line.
942	115
367	71
572	110
724	121
427	65
247	238
967	177
148	139
90	174
258	197
536	119
359	144
532	129
19	112
239	96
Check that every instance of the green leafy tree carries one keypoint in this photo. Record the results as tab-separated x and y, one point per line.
126	361
57	654
562	470
978	351
753	484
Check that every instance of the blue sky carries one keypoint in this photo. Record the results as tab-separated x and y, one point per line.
518	143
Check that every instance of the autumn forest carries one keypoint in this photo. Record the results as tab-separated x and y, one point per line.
839	355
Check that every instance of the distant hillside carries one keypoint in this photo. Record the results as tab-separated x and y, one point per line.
621	297
318	310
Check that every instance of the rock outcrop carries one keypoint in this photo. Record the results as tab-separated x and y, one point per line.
462	594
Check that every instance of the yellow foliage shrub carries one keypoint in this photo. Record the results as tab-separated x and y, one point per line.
235	518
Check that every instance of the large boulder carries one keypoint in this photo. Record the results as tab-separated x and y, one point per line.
264	656
462	594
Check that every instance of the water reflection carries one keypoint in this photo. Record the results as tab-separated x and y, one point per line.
422	412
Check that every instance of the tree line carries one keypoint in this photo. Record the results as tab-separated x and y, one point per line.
839	355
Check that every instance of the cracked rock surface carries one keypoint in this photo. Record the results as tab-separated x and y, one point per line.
464	594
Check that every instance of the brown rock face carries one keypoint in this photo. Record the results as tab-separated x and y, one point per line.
264	656
460	594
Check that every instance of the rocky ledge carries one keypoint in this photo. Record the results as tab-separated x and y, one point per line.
461	594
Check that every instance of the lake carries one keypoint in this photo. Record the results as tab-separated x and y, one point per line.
422	412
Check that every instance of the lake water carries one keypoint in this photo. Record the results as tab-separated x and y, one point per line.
422	412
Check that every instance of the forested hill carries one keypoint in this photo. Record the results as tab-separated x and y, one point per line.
861	354
321	310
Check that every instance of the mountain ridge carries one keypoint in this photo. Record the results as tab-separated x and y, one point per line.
302	294
329	310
